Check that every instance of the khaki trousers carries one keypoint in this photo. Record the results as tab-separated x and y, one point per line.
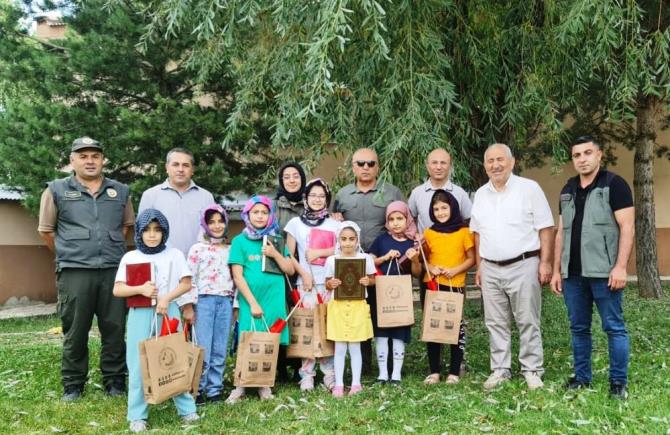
513	292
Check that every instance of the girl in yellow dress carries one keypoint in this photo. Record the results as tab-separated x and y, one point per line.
348	321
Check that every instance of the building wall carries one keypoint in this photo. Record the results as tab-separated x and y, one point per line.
552	183
27	266
44	31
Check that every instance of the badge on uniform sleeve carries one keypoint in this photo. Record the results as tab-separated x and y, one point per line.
112	193
566	197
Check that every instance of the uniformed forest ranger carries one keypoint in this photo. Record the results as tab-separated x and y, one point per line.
84	219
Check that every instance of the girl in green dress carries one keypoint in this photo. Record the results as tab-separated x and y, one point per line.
262	298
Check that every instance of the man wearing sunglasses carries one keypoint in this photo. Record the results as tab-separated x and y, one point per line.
364	201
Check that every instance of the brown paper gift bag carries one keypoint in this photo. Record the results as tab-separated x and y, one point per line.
442	315
395	303
256	363
322	346
301	334
196	359
308	334
165	367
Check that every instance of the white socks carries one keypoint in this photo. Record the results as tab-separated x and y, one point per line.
382	346
398	358
356	362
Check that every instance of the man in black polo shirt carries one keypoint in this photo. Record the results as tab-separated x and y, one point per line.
593	243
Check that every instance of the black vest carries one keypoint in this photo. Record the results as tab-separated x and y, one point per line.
89	231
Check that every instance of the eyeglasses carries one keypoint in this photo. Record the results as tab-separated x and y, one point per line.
315	196
362	163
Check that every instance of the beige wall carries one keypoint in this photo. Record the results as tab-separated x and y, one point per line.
552	184
19	227
44	31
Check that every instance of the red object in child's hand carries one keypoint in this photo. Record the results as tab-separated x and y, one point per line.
169	325
295	296
432	285
319	299
378	271
278	326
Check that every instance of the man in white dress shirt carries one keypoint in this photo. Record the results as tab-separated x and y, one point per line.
513	228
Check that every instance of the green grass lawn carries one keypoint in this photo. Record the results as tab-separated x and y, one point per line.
30	389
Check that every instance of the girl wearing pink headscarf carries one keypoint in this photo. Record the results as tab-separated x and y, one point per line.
394	253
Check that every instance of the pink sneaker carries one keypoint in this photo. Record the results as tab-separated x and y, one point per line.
355	389
338	392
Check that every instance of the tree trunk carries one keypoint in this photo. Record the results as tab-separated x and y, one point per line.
645	218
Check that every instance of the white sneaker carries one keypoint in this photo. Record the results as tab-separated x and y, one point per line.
496	378
307	383
190	418
137	426
265	393
533	380
235	396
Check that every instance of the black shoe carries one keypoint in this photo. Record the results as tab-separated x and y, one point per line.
115	390
574	384
200	400
618	391
214	399
395	383
381	382
72	393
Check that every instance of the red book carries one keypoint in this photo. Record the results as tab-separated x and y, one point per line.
139	274
320	239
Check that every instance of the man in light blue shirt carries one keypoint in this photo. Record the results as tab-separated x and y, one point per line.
181	201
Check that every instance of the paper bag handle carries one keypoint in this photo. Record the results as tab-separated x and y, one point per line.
154	324
253	324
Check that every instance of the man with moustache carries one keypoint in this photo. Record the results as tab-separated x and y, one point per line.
364	201
181	201
596	230
84	219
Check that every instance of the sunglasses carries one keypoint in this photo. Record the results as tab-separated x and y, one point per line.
362	163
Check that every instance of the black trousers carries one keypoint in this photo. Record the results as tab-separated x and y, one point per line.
82	294
435	349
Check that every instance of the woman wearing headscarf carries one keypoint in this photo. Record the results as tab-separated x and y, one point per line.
289	202
312	238
289	198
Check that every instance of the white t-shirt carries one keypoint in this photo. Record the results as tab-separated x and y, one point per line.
170	267
300	232
508	221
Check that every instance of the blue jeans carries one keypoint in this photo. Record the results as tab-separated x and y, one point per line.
579	295
214	315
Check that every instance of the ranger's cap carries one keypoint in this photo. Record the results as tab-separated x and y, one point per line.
85	143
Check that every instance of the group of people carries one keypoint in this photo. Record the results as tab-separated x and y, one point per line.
507	233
